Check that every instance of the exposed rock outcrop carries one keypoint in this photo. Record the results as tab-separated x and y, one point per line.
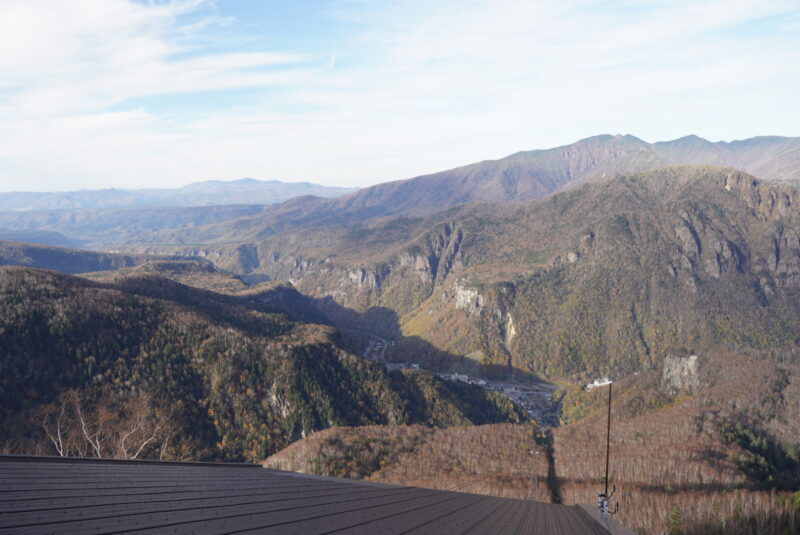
680	374
467	298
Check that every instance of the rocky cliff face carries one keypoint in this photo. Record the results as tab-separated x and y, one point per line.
605	277
680	374
403	280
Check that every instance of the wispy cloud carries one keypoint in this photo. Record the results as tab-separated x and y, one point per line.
409	87
61	56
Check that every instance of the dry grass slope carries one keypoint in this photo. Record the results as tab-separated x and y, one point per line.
499	459
675	469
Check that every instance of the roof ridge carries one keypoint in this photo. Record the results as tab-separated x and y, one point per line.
10	457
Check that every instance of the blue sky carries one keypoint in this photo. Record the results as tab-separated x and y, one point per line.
112	93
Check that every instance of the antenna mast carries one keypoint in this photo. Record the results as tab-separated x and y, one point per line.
608	435
604	497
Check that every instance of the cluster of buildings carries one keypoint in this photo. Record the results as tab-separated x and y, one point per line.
598	383
462	378
537	402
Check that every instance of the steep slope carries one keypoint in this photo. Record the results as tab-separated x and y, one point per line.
519	177
494	459
238	379
607	276
706	443
769	156
207	193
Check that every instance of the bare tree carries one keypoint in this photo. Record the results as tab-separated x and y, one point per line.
76	426
56	428
93	423
144	423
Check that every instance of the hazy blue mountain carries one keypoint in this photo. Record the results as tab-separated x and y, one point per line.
771	157
40	237
210	192
106	227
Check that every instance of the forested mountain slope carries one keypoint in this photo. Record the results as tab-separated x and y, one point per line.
211	375
607	276
67	260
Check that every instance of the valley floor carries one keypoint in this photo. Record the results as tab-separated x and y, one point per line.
534	396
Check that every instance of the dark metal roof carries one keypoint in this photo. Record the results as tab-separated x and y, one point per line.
54	495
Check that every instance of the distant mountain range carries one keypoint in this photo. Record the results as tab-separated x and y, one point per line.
523	286
106	228
207	193
520	177
630	265
517	178
41	237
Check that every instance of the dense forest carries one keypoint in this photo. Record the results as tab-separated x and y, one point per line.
90	367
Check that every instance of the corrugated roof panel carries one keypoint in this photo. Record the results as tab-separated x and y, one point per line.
41	495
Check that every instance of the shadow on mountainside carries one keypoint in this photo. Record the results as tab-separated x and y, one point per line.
361	331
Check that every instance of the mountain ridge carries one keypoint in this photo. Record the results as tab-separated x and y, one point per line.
70	260
520	177
201	193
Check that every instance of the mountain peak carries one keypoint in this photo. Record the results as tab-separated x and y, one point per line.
692	139
611	138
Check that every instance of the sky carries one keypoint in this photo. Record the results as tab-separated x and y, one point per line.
161	93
